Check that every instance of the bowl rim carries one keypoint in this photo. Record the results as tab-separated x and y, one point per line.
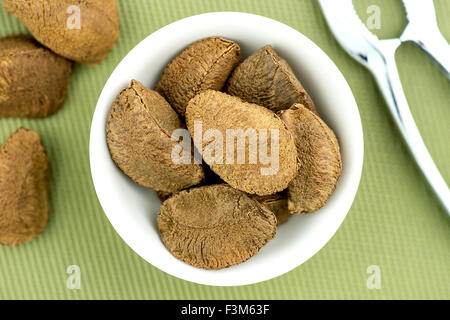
99	118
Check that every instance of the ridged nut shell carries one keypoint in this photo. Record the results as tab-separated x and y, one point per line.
222	112
214	227
267	80
206	64
320	158
33	80
24	188
54	24
139	129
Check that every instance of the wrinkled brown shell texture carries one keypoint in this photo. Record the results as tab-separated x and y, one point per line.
319	155
48	22
219	111
214	227
267	80
33	80
278	204
139	129
206	64
24	188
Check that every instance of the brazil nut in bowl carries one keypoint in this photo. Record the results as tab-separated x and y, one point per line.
226	221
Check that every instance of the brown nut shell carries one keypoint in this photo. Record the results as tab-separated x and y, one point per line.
267	80
278	204
214	227
319	155
33	80
24	188
206	64
54	24
139	129
222	112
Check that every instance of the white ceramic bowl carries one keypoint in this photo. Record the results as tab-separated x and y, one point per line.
132	210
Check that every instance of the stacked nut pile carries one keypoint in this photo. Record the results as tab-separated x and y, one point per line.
34	79
221	210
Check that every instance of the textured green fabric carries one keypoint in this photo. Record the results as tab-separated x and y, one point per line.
395	221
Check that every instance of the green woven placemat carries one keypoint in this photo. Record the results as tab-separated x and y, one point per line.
395	222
